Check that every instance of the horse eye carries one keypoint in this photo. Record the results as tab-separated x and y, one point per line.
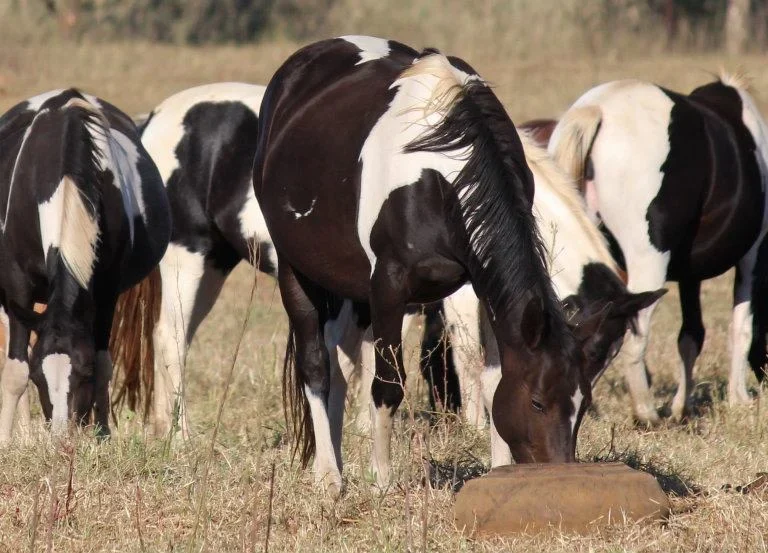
537	405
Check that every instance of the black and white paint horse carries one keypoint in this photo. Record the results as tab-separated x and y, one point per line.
680	182
84	216
202	140
387	178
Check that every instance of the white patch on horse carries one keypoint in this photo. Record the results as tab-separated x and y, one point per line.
165	130
57	368
253	227
36	102
325	464
576	399
424	96
623	182
299	214
371	48
66	224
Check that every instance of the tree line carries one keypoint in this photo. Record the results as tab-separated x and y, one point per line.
733	25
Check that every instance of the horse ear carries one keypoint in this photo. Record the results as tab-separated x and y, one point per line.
533	322
631	304
589	327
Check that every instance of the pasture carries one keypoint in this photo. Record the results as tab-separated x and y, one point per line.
233	486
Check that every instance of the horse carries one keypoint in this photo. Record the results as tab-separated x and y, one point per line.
389	177
584	276
679	182
202	140
72	166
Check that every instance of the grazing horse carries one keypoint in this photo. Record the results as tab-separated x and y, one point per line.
203	140
680	183
387	178
584	276
71	166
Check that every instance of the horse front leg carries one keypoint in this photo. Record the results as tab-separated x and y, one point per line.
388	303
500	452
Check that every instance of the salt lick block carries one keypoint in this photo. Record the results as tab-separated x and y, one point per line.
573	497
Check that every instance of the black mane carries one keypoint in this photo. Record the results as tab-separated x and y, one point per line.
506	255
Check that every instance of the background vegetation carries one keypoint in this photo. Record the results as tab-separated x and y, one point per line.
237	490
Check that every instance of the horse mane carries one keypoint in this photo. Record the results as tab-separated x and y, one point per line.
494	188
547	173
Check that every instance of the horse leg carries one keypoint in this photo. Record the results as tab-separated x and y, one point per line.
500	452
302	302
367	361
105	302
388	302
15	377
749	320
647	271
190	286
462	319
343	338
25	420
689	343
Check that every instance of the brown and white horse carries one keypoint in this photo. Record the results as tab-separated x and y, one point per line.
387	178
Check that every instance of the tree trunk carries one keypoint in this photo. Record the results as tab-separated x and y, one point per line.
736	26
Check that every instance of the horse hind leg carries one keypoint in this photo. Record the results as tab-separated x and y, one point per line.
302	302
749	322
647	271
190	286
689	343
462	310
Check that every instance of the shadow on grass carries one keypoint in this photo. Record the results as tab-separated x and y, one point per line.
673	482
453	473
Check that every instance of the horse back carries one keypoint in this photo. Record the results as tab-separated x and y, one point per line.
318	111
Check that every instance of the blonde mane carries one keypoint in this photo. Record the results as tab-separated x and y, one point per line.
448	89
548	174
738	79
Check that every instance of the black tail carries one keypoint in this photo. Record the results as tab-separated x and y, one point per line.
437	365
295	404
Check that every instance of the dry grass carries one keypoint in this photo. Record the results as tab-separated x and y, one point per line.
139	494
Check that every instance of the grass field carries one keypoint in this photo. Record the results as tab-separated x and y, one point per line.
240	492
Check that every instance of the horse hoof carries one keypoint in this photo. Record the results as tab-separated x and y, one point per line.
647	420
103	433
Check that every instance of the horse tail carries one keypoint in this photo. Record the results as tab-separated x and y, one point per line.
131	343
295	404
572	140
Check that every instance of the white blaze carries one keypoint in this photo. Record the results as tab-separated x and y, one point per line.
577	398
